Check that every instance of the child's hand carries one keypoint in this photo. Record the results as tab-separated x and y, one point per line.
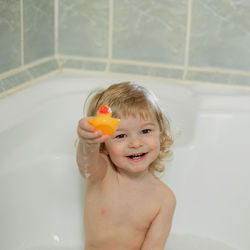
88	134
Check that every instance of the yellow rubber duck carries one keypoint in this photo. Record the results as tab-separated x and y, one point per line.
104	121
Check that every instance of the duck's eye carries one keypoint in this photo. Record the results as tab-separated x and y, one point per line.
146	131
120	136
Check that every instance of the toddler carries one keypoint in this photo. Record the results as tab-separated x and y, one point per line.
126	206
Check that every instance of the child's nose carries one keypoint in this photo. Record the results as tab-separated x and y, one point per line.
135	142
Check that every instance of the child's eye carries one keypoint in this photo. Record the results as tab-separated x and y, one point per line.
146	131
121	136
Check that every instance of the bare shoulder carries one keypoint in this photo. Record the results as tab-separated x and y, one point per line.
166	196
163	220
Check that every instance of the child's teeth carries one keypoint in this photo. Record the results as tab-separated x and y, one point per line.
136	156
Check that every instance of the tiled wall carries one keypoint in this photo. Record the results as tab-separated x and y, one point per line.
190	40
26	41
187	40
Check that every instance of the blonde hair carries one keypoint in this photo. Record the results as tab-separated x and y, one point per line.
127	99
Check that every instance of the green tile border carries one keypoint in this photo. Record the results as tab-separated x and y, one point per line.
45	67
235	79
157	71
243	80
15	80
212	77
154	71
28	74
82	64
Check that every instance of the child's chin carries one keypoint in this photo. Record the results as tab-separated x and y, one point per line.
138	169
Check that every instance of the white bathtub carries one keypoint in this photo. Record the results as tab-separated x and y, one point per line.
41	191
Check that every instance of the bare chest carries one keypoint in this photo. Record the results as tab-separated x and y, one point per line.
133	208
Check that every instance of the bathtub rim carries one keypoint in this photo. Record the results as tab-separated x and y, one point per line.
87	73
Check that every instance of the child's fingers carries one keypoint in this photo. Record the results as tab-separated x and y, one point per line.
102	139
86	135
97	140
84	124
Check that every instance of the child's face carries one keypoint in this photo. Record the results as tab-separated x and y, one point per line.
135	144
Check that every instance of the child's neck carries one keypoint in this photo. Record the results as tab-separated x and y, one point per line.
135	177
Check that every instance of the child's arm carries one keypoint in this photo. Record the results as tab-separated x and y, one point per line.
91	162
159	229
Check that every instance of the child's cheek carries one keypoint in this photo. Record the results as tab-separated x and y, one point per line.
112	147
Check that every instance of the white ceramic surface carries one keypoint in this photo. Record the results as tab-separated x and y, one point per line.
41	191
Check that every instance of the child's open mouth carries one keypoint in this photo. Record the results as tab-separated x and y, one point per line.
136	156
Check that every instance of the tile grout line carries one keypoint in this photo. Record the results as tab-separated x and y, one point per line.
22	34
110	60
26	66
150	64
221	85
106	60
26	84
110	35
56	27
188	27
160	65
121	61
